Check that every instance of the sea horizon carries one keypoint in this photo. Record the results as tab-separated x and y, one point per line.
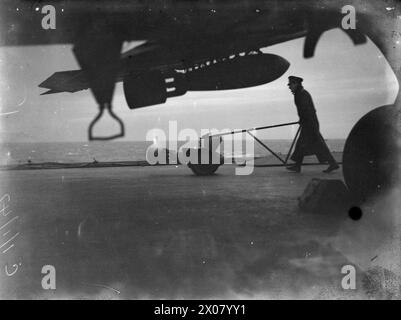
14	153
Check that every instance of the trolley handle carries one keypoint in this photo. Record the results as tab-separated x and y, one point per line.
250	129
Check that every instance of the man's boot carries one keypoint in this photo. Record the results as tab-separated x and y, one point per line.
332	167
294	168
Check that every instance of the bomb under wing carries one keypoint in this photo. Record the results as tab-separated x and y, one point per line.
233	72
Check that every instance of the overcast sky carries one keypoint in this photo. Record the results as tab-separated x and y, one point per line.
345	81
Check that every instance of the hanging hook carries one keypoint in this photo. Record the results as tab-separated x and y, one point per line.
96	119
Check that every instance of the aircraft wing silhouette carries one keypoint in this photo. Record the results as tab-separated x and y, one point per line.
146	71
189	45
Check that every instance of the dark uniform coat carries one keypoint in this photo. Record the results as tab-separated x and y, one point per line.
310	140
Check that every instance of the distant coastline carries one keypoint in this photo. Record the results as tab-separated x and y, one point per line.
32	156
60	165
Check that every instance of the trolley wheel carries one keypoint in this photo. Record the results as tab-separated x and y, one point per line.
371	153
204	169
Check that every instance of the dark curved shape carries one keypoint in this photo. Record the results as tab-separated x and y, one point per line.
371	158
150	88
145	90
204	169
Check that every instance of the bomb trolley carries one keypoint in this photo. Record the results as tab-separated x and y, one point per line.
370	158
204	169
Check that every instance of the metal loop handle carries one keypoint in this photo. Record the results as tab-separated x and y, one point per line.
96	119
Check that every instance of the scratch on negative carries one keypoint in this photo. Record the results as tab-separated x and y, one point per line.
102	286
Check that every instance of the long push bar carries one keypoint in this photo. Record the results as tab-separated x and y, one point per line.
252	129
283	161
